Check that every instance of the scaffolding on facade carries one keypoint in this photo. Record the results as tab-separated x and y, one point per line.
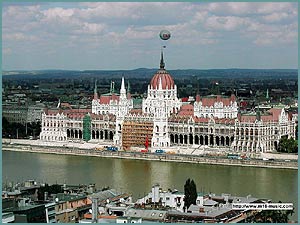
136	133
87	127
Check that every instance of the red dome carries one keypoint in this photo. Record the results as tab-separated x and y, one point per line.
166	80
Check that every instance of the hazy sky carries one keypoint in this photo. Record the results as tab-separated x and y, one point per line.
82	36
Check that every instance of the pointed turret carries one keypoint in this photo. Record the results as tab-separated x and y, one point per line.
198	93
258	115
267	94
122	90
128	87
232	97
198	97
128	91
58	105
122	86
112	87
95	91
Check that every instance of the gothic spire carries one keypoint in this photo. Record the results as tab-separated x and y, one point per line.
162	63
95	91
123	90
128	91
112	87
128	87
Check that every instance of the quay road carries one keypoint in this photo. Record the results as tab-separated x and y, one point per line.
217	160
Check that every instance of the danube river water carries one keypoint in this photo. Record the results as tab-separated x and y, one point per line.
137	176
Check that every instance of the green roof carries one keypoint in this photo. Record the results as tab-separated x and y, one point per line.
21	208
137	101
109	94
69	197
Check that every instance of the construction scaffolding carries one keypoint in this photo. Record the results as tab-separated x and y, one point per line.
87	127
135	133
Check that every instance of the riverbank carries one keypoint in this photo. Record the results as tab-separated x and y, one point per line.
89	149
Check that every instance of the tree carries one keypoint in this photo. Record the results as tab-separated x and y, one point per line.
190	193
273	216
288	145
51	189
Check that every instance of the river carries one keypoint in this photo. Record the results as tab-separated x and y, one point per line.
138	176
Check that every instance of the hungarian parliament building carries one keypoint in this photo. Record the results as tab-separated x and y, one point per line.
165	121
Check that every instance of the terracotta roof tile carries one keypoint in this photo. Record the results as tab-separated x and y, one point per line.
105	99
136	111
186	110
276	113
166	80
210	101
248	118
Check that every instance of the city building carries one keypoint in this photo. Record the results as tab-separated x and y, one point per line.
173	199
164	120
50	212
8	217
15	113
26	213
34	113
67	206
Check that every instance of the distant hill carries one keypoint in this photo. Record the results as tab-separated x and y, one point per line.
144	73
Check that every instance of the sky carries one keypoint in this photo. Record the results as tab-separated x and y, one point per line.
125	35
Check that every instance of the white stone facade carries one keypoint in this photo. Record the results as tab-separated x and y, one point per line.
124	106
248	133
112	103
156	96
211	121
219	107
161	102
54	127
174	200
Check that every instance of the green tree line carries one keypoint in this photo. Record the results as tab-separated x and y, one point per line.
288	145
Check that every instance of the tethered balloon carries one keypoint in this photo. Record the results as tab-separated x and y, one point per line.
164	35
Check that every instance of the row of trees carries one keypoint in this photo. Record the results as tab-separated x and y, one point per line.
18	130
288	145
271	216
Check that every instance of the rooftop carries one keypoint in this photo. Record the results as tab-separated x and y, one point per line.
69	197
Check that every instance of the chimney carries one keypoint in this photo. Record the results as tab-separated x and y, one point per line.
94	210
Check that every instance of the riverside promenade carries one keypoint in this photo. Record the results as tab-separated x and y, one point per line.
90	149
